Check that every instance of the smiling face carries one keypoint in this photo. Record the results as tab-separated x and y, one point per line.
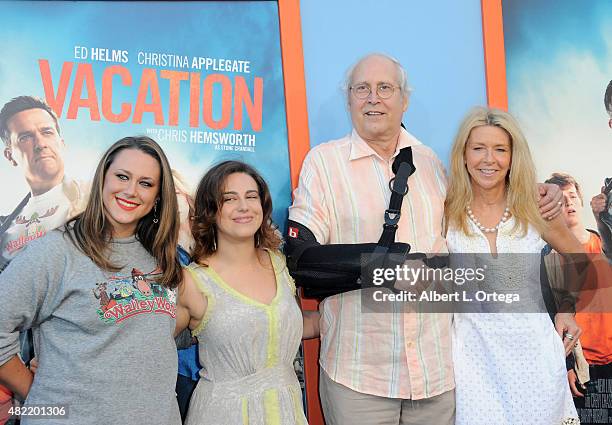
36	146
572	206
241	213
131	187
488	155
374	118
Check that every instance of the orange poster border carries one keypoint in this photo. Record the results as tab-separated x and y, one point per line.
299	144
494	53
295	84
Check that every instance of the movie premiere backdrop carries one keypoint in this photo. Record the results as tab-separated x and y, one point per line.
184	73
558	65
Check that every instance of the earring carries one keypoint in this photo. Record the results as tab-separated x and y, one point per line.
155	218
214	239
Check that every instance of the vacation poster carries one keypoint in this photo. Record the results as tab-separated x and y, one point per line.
204	79
558	66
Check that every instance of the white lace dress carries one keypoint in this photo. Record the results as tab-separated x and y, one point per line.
509	367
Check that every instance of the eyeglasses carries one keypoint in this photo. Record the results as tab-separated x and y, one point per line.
383	90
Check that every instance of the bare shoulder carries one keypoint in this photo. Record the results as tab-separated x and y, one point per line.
189	293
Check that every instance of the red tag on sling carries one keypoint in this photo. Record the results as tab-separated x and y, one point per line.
293	232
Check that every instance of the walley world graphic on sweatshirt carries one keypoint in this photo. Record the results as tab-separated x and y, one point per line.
122	297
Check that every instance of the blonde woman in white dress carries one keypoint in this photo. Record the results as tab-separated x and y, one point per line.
509	367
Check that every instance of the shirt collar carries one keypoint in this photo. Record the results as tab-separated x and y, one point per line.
361	149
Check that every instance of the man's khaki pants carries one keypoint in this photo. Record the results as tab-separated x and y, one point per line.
343	406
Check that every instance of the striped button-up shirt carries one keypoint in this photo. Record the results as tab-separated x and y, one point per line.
342	194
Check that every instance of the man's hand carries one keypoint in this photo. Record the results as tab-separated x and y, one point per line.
572	379
551	200
568	330
598	204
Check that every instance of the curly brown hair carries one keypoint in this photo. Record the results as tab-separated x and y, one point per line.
208	201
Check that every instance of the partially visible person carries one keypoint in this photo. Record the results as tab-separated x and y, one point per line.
184	198
601	205
509	367
594	314
239	300
188	376
100	293
188	363
33	142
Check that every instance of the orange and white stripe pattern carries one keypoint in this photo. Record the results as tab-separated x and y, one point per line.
342	193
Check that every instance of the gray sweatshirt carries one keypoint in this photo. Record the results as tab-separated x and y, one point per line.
105	339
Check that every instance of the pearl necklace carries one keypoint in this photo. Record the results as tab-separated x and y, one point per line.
488	229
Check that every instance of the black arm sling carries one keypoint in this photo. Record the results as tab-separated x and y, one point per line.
326	270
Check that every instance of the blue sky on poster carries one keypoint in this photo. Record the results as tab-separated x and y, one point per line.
559	62
50	30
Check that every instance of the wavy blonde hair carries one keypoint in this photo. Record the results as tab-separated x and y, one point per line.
521	193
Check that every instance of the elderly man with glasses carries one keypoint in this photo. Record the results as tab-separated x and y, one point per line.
380	368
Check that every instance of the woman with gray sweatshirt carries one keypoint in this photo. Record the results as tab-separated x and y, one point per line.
99	295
